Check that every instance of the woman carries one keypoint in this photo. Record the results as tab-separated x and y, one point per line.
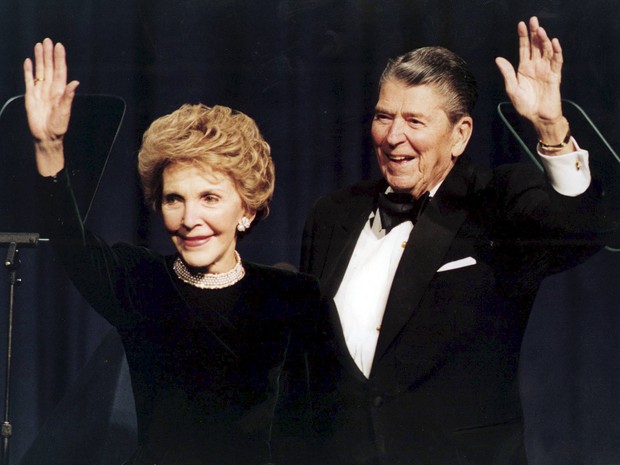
205	333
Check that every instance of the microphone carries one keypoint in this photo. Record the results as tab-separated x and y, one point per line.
12	241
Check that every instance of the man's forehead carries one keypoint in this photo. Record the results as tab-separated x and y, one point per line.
399	96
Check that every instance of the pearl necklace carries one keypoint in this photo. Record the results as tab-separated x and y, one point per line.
210	280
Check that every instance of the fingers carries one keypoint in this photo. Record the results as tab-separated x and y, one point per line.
558	56
48	60
44	63
542	44
538	44
38	62
535	44
28	78
524	42
60	64
50	66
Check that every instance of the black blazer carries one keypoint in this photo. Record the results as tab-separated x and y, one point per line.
443	387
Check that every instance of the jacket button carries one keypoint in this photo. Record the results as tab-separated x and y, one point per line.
377	401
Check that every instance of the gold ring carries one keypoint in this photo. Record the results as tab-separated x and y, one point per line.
38	80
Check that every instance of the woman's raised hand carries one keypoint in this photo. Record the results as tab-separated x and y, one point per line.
48	103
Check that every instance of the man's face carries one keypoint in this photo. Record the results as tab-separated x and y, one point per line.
415	142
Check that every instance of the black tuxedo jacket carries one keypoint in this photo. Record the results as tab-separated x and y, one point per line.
443	387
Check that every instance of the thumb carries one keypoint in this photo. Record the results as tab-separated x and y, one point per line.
69	93
508	73
67	98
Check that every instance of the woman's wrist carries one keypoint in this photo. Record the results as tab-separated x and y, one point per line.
50	156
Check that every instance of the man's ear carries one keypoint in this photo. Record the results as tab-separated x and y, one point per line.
461	133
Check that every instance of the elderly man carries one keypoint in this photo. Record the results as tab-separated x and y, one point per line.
432	271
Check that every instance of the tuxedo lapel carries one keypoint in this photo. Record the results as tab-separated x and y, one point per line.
342	351
352	213
352	218
427	245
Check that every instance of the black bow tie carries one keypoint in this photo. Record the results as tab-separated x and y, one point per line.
394	208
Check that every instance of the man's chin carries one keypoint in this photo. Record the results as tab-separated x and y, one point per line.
402	187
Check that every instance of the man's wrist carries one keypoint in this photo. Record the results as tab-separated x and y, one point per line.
551	148
554	138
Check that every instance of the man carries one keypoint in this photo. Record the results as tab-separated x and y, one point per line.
428	314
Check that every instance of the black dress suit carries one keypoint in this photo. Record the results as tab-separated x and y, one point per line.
443	386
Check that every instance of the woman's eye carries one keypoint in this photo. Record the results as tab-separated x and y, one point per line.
209	198
171	200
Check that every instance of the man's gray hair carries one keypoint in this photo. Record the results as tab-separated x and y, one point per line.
441	68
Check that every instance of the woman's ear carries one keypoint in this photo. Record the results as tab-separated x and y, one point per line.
245	221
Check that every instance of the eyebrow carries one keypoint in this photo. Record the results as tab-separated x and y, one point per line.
214	190
407	114
379	109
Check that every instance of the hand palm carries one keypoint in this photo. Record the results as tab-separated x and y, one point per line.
535	88
48	96
537	91
47	117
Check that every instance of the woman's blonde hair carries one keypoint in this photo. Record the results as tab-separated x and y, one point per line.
225	140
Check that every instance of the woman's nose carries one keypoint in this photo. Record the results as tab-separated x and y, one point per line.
191	216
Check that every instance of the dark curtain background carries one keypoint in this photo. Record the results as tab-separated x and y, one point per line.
306	70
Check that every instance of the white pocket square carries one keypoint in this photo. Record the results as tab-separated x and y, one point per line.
463	262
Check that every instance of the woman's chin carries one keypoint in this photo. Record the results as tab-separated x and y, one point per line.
195	264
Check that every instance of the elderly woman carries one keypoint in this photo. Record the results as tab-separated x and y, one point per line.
206	334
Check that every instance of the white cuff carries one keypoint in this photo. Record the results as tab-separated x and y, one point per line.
569	173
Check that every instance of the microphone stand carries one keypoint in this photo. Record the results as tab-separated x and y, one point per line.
12	263
95	123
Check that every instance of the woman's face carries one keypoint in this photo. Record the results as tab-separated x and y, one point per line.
201	208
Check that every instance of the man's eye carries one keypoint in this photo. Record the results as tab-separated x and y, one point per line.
381	117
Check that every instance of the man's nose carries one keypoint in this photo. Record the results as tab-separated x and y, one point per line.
396	133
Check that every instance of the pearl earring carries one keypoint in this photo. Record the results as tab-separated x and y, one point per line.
243	224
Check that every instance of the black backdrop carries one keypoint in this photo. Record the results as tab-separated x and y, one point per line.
307	71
